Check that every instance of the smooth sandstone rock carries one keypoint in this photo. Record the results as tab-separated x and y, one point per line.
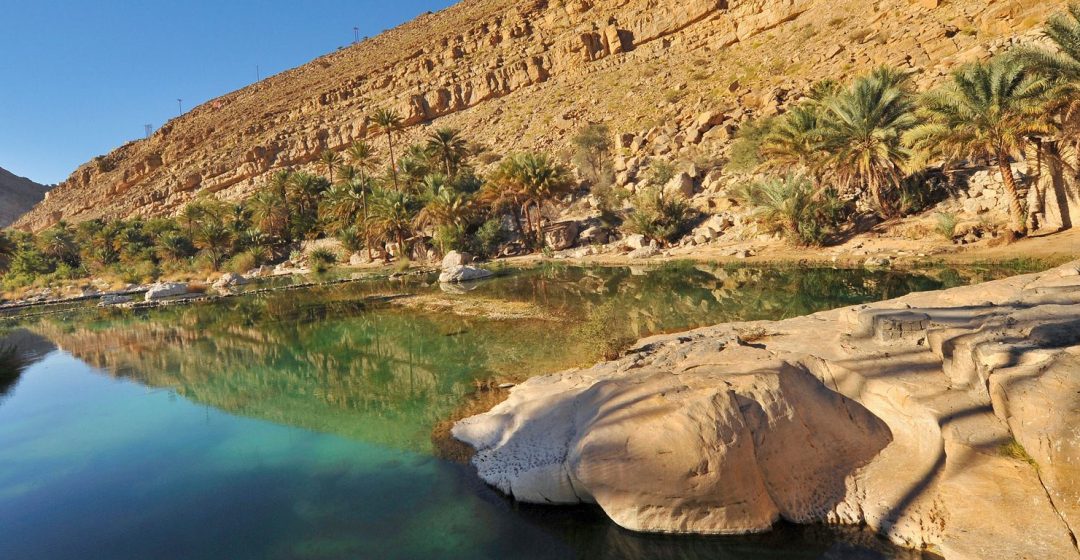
948	420
462	274
163	290
456	258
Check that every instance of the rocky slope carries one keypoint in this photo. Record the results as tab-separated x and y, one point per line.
17	196
670	77
947	420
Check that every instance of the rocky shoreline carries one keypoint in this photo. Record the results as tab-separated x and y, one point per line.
942	420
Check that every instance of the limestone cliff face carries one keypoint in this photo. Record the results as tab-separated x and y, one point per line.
525	75
17	196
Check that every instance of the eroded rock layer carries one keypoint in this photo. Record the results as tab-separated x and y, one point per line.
526	75
947	420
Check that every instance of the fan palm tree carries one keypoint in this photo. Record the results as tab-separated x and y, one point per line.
862	131
389	122
448	145
332	160
989	110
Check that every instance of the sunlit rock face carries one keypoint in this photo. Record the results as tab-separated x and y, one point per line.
943	419
671	78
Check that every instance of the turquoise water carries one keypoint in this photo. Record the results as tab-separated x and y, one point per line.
298	425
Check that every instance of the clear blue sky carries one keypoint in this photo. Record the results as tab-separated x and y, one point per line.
79	78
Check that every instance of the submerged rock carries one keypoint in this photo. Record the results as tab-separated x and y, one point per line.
938	419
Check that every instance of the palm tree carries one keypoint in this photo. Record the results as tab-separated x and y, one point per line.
531	180
448	145
989	110
363	159
392	216
1064	31
796	141
305	190
270	212
862	132
7	250
344	203
58	242
332	160
214	238
445	205
388	121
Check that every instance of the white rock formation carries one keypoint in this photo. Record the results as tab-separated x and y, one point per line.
462	274
162	290
948	420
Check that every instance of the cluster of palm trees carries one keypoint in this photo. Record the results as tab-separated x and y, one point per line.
868	138
429	195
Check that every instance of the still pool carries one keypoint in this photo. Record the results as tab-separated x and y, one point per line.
298	424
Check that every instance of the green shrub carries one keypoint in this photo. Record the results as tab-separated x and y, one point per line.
448	238
604	330
488	237
663	218
791	207
946	225
745	153
351	239
321	259
242	262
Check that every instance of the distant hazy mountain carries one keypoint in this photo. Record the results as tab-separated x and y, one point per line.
17	196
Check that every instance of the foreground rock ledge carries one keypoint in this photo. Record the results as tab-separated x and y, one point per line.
948	420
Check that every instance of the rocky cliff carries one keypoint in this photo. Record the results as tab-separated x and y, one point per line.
947	420
17	196
670	76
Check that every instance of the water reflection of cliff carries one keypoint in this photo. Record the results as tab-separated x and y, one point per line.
324	360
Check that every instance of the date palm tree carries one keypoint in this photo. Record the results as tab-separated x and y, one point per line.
362	158
332	160
862	132
448	145
532	180
7	250
989	110
213	238
444	205
392	216
796	141
388	121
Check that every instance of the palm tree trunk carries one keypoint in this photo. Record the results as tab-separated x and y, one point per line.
1016	209
393	162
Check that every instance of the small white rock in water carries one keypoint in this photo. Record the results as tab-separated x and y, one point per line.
462	274
166	289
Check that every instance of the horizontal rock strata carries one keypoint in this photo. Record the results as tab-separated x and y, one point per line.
526	76
946	420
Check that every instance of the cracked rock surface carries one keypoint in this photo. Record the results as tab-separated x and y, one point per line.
946	420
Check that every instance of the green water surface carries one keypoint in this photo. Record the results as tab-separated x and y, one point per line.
298	424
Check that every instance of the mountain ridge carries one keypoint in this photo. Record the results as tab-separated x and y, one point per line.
524	76
17	196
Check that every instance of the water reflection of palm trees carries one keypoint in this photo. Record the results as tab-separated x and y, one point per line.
329	359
